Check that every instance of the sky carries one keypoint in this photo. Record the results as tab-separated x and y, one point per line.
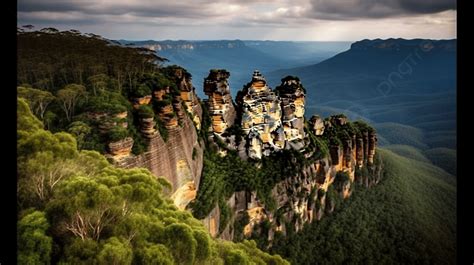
297	20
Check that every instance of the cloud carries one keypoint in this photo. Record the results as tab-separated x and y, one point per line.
357	9
140	8
245	19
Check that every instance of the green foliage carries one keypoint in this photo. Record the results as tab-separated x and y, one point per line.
68	98
34	245
225	215
146	111
408	151
117	133
79	251
108	102
205	124
241	221
26	122
408	218
210	190
160	126
237	256
224	175
396	133
247	252
203	245
37	99
444	158
260	234
333	199
80	130
99	83
94	77
141	91
139	143
50	61
154	254
115	251
317	145
341	178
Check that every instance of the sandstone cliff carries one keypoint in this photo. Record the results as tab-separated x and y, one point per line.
337	154
174	151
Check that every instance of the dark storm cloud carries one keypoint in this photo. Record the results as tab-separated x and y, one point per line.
354	9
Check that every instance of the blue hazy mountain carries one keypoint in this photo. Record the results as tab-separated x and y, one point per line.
407	88
240	58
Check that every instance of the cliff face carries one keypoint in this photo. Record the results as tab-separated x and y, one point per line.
174	160
177	155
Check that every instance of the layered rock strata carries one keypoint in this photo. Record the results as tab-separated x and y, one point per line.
220	105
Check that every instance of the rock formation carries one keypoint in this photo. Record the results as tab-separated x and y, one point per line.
147	127
261	118
137	102
220	105
292	95
121	148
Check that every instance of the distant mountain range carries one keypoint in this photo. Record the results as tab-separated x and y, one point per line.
239	57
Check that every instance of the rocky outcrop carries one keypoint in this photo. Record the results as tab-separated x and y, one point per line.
121	149
372	144
187	95
292	96
261	118
317	125
106	121
147	127
137	102
272	120
175	103
220	105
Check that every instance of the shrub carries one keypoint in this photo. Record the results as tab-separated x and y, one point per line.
117	133
141	91
146	111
